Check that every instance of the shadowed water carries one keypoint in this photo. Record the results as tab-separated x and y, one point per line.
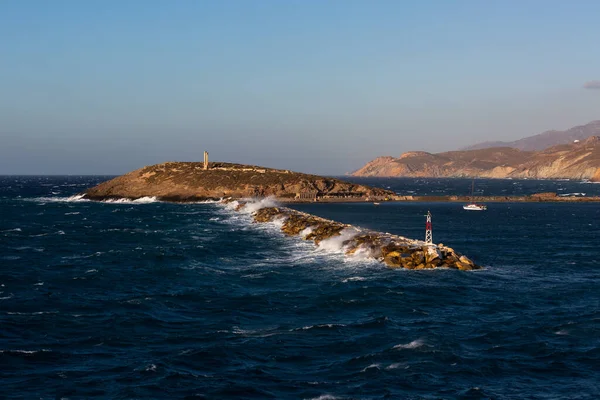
155	300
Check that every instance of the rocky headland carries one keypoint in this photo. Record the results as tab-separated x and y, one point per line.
393	250
190	181
578	160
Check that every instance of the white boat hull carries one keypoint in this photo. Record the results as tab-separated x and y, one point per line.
475	207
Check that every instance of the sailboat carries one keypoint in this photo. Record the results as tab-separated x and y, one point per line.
472	206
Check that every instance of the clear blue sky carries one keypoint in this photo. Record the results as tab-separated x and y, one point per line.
323	86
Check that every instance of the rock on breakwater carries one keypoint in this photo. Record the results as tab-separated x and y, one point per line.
393	250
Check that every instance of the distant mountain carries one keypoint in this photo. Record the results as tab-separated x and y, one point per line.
545	139
579	160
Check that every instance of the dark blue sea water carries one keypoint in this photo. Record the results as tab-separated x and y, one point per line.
151	300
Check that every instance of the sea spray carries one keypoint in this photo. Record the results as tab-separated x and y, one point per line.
337	243
306	231
330	236
254	205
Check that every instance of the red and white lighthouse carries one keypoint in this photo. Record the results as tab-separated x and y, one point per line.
428	234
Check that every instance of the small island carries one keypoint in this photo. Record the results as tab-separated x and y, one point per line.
197	181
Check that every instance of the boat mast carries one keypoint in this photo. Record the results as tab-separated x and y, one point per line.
472	189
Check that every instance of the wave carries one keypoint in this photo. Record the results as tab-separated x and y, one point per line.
577	194
71	199
80	198
23	351
141	200
320	326
12	230
336	243
354	279
240	213
415	344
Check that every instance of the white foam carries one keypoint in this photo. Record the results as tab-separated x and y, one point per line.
335	244
71	199
412	345
23	351
278	222
141	200
372	366
256	204
305	328
572	195
395	366
151	367
306	231
325	397
354	279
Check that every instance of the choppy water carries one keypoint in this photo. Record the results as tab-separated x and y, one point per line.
155	300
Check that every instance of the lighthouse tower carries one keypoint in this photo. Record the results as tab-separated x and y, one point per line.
428	234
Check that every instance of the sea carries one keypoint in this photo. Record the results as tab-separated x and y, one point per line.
150	300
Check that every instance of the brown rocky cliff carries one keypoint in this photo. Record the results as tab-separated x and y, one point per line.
572	161
188	181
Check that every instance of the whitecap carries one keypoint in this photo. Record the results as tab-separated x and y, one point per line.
372	366
151	367
23	351
308	327
412	345
354	279
71	199
141	200
395	366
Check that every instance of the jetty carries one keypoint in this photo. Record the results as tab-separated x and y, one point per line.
393	250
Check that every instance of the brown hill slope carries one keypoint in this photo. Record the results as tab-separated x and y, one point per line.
545	139
573	161
188	181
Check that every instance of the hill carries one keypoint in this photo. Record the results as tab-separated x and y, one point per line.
545	139
189	181
571	161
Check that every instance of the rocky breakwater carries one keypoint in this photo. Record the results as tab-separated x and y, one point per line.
393	250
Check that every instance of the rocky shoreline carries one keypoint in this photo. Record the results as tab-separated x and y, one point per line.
393	250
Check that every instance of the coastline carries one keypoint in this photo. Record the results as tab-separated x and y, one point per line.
534	198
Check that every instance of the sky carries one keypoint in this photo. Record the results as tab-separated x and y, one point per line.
316	86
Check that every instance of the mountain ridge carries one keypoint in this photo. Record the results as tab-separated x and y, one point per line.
545	139
579	160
